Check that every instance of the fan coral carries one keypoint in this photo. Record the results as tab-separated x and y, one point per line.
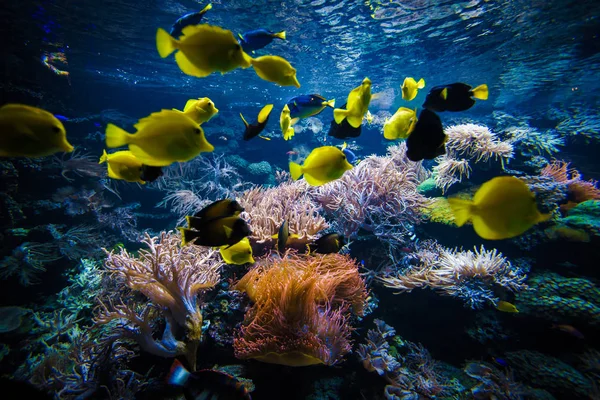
171	277
290	201
300	311
378	195
468	275
468	141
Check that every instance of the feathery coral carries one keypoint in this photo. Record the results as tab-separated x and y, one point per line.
378	195
469	275
300	311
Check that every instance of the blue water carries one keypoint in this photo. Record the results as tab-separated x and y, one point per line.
540	60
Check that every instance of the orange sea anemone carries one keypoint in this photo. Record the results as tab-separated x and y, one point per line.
300	311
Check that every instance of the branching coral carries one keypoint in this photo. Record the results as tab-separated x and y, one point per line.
468	142
378	195
301	307
468	275
171	277
290	201
579	190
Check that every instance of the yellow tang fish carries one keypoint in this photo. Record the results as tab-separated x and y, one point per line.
410	88
505	306
203	49
400	125
275	69
239	253
502	208
123	165
30	132
162	138
323	164
286	123
200	110
357	105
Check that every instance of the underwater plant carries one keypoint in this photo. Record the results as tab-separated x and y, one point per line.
300	314
171	277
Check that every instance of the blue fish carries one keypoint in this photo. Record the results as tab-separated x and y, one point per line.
61	117
501	361
308	105
350	156
258	38
187	20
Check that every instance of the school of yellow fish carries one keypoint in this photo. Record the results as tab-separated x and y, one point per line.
502	208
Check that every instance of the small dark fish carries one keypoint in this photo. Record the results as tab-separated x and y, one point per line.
500	361
218	209
253	130
207	384
454	97
187	20
282	236
225	231
427	139
258	38
330	243
61	117
571	330
308	105
343	130
150	173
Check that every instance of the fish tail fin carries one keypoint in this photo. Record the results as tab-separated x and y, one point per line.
205	9
243	120
421	83
289	133
116	137
178	375
329	103
187	235
280	35
264	137
103	157
165	43
462	210
294	121
339	115
480	92
295	170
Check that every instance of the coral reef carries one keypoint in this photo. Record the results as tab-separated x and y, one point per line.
378	195
406	366
468	142
300	314
578	189
469	275
561	300
267	208
494	383
171	277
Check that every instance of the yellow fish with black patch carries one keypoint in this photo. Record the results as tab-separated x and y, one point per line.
203	49
123	165
357	105
275	69
323	164
400	125
200	110
502	208
162	138
238	254
410	87
286	123
27	131
505	306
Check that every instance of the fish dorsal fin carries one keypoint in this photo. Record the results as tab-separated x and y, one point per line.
240	36
244	120
264	113
192	29
191	103
344	146
162	114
